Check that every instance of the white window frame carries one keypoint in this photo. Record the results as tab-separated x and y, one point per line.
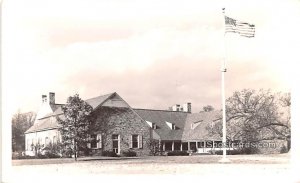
98	144
28	145
140	141
89	143
119	141
99	139
94	147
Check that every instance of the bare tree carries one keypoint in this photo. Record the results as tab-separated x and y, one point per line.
208	108
20	123
255	116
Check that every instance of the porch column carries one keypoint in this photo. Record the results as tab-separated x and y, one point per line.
164	146
159	145
172	145
180	146
196	146
189	148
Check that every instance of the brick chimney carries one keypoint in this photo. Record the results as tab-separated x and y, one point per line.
189	107
51	98
44	98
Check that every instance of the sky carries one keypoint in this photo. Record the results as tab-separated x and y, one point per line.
154	54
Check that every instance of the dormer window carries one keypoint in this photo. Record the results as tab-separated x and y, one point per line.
195	124
171	125
152	125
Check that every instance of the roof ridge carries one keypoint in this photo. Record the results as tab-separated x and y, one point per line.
165	110
100	96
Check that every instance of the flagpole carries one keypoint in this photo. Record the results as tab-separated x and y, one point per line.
223	70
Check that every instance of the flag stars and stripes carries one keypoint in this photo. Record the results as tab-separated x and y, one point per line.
235	26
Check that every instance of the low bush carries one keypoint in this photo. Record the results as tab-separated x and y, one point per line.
129	153
109	154
238	151
177	153
284	149
67	153
25	157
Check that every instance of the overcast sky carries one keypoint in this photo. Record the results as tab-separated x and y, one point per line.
153	53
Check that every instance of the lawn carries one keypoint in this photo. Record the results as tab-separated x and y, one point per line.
199	159
204	166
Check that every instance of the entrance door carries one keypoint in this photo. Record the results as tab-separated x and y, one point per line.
116	144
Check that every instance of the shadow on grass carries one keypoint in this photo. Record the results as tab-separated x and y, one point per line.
109	158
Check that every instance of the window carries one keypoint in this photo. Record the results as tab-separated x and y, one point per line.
173	127
94	141
154	126
54	140
32	145
46	141
28	145
135	141
99	141
115	143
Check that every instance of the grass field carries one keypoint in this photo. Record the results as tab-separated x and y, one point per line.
203	166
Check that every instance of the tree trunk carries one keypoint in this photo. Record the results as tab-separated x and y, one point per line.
75	150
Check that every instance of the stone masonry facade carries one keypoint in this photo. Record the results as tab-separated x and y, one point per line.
123	122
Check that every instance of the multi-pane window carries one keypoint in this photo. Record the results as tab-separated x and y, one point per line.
94	141
135	141
115	141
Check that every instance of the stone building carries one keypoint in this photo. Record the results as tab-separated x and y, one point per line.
122	128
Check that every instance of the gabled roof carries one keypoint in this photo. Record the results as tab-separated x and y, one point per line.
182	120
202	120
54	107
48	123
96	101
44	124
160	117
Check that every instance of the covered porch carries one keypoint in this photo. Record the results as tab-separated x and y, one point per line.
195	146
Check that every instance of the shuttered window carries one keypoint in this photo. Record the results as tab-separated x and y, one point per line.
94	141
99	141
140	141
134	141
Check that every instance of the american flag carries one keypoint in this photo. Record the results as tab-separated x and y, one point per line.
242	28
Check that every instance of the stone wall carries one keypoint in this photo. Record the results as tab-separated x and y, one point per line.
125	123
